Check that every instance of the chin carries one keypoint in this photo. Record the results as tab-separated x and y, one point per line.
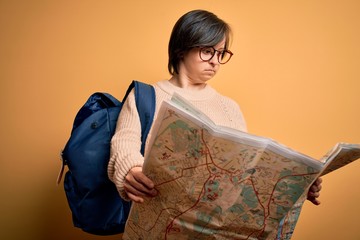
207	77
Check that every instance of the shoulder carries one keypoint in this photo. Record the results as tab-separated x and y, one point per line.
232	109
229	102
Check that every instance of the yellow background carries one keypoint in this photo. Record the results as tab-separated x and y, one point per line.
295	73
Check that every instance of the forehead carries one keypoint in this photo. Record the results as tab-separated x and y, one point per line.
221	44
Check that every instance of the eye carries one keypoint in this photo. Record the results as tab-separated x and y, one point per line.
223	54
207	51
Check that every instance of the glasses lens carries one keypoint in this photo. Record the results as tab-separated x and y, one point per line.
206	53
224	57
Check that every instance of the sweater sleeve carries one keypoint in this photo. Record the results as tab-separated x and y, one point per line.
125	145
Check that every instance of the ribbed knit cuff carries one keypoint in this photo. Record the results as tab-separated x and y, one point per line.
118	169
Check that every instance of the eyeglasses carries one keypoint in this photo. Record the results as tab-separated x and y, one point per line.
207	53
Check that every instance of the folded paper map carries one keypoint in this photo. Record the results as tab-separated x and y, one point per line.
220	183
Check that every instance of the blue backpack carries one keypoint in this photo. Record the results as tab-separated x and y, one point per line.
94	201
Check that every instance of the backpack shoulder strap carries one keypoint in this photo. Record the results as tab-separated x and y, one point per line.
145	103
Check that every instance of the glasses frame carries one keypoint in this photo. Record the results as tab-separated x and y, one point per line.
218	55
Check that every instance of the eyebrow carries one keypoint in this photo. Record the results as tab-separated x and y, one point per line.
220	49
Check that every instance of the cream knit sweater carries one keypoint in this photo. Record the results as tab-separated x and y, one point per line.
126	142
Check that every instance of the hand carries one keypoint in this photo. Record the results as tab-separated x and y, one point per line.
314	192
137	185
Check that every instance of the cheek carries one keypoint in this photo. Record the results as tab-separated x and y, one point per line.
193	57
194	65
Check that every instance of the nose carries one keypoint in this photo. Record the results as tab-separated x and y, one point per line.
214	60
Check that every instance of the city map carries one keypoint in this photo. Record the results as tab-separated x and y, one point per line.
219	183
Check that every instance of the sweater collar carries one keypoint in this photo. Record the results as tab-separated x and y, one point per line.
193	95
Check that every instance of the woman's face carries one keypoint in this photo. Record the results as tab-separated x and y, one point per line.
199	71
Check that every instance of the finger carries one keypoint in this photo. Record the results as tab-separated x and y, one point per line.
142	182
129	189
314	191
319	181
143	179
315	201
135	198
314	194
313	198
315	188
135	186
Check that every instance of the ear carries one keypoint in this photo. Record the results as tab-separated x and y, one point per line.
181	55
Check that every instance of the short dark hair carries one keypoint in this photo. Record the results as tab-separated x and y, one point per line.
194	29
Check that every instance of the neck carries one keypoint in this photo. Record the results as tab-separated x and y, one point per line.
185	83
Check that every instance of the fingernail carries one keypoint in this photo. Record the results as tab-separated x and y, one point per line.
154	192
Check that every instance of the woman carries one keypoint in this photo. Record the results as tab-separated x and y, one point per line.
199	45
